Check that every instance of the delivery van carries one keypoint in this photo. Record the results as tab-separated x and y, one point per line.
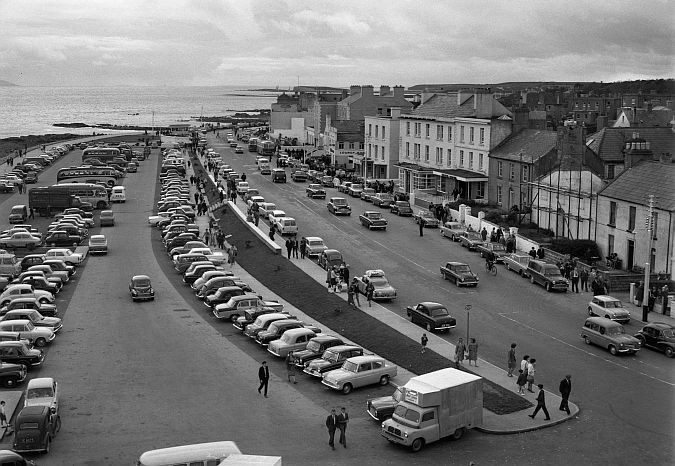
18	214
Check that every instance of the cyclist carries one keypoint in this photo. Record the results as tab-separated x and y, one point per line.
489	260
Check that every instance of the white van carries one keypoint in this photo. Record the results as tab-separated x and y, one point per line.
118	194
200	454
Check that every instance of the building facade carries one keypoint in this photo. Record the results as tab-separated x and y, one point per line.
344	142
381	144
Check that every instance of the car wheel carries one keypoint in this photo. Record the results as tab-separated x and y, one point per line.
347	388
41	301
429	328
9	382
548	287
234	317
670	352
417	445
384	380
458	433
40	342
587	340
612	350
532	280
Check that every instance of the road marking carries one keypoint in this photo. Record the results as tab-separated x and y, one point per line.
588	353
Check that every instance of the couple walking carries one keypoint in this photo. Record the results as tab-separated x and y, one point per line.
337	421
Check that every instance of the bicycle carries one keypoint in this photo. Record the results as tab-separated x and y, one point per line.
491	267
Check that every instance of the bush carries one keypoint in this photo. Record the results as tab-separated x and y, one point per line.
575	247
494	216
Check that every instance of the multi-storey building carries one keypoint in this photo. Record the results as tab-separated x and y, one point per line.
585	109
382	135
344	142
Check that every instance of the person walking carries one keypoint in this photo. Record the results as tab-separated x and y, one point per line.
424	342
294	242
290	368
289	248
232	255
272	229
460	350
530	374
342	421
331	425
511	360
32	213
3	415
521	381
483	234
370	289
421	225
533	253
350	294
574	274
583	277
565	390
355	289
541	404
334	278
523	364
264	377
303	247
473	352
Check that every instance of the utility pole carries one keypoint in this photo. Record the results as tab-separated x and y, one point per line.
650	225
467	308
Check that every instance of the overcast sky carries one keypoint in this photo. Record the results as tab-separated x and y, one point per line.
273	42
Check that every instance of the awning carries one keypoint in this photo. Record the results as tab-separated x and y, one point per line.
462	175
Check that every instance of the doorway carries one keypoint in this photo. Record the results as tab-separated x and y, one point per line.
630	253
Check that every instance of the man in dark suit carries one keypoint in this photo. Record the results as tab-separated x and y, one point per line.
565	390
343	419
331	424
541	404
264	376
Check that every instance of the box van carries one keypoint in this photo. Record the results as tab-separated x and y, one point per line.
609	334
278	175
18	214
200	454
9	265
287	226
118	194
547	275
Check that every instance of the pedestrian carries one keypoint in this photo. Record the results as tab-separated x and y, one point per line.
565	390
290	368
530	374
350	294
583	277
334	278
483	234
651	298
32	213
541	403
522	380
523	364
331	424
3	415
264	377
574	274
424	342
272	228
421	225
294	243
533	253
289	248
473	352
511	360
207	237
342	421
355	289
303	247
460	351
370	289
232	255
540	253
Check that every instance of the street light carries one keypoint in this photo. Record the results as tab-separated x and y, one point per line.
467	308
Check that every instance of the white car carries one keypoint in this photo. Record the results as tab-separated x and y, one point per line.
242	187
42	391
258	199
153	219
274	215
315	246
25	290
66	255
286	226
118	194
265	208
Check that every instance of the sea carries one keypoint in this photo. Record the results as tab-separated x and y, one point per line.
35	110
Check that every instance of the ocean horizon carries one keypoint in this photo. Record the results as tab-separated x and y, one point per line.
34	110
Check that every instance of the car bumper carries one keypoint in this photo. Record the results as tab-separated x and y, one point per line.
333	385
313	372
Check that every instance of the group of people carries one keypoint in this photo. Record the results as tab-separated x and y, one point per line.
654	294
462	351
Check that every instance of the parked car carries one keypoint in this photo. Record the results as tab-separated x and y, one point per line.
275	214
382	408
18	352
250	315
608	307
47	310
315	191
427	218
517	262
470	240
373	220
383	291
459	273
12	374
20	240
382	200
401	208
339	206
498	249
39	282
237	305
39	336
315	348
330	258
200	283
98	244
215	283
42	391
22	290
276	330
196	270
62	238
222	295
140	288
609	334
286	226
59	265
52	323
659	336
35	429
292	340
66	255
315	246
546	275
359	371
355	189
452	230
263	322
432	316
331	359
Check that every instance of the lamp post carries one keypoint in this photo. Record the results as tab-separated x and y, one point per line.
650	226
467	308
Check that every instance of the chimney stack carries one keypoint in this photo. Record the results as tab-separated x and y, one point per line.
384	90
395	112
367	90
399	92
353	90
482	103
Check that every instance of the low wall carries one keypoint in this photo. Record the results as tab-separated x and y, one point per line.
274	247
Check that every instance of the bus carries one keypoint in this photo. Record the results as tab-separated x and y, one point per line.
266	147
106	175
253	144
95	194
103	154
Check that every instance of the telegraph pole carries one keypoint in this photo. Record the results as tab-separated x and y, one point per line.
649	223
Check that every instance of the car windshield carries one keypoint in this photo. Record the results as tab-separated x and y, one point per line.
314	346
340	201
379	282
334	256
141	282
462	268
618	330
315	243
330	356
375	215
614	304
350	366
439	312
407	414
41	392
286	338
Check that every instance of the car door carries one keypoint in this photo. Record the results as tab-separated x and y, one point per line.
364	375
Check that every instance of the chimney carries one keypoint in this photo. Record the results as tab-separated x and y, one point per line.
482	103
395	113
345	94
398	92
367	90
384	90
353	90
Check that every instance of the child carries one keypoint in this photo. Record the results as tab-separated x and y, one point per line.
424	342
3	415
522	380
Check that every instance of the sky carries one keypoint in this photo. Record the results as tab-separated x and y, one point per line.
270	43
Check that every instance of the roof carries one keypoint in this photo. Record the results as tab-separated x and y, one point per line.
444	378
637	183
462	175
446	106
608	143
531	144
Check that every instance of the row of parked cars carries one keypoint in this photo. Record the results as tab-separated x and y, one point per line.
26	170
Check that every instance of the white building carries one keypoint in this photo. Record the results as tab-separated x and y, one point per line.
382	145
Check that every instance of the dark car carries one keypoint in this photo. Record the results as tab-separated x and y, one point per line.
315	348
427	218
59	265
35	427
459	273
62	238
498	249
315	191
223	295
659	336
190	276
215	283
41	283
250	315
330	258
470	240
31	260
432	316
17	352
47	310
382	200
332	358
276	330
383	407
181	240
140	288
373	220
339	206
401	208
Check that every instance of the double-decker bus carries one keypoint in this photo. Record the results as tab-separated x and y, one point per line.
106	175
253	144
103	154
95	194
266	147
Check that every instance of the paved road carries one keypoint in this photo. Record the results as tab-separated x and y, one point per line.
620	397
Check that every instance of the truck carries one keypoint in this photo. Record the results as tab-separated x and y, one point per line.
439	404
46	200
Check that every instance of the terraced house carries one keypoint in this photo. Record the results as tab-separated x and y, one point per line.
446	142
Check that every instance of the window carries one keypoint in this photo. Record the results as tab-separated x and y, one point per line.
461	134
416	151
523	172
376	130
512	172
461	158
383	132
612	214
377	364
631	218
610	172
407	128
449	133
480	190
376	151
471	133
407	150
351	145
499	195
482	137
418	129
655	224
427	130
370	150
370	129
500	169
480	162
380	111
428	416
439	156
470	160
341	145
439	132
610	244
449	157
426	153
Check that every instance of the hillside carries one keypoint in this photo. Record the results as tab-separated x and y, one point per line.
6	83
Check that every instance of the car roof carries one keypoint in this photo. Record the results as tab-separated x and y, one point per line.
140	277
431	304
300	330
321	337
33	411
457	263
660	325
364	358
40	382
313	238
331	251
605	297
603	321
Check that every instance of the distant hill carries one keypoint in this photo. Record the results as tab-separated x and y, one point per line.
6	83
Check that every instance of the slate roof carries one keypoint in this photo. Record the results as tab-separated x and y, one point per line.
533	143
445	106
608	143
635	184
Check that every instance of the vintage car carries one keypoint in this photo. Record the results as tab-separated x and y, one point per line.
39	336
263	322
20	240
299	176
359	371
355	189
382	408
452	230
18	352
331	359
344	186
432	316
251	193
498	249
609	334
98	244
315	348
401	208
383	290
459	273
327	181
140	288
52	323
608	307
339	206
236	305
546	275
59	265
222	295
242	187
42	391
198	285
275	214
35	428
38	281
517	262
51	273
315	246
367	194
659	336
66	255
470	240
196	270
373	220
62	238
30	303
250	315
330	258
264	208
23	290
286	225
382	200
219	279
428	219
276	330
256	198
315	191
295	339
